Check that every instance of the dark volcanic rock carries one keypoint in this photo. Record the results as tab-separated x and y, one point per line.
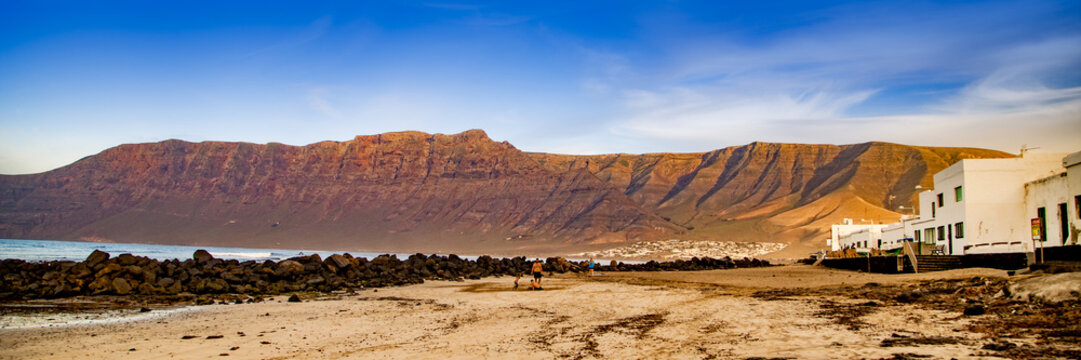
96	257
202	256
121	286
216	279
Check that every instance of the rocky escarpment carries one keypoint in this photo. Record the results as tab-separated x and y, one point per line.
771	192
397	192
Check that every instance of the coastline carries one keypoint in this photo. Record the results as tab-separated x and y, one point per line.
738	313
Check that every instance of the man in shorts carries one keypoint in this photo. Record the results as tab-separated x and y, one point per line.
538	268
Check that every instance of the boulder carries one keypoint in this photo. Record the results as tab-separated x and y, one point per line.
121	286
126	259
96	257
216	285
291	267
338	261
202	256
108	269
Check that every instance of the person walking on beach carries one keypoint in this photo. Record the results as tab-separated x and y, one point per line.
538	268
590	266
516	281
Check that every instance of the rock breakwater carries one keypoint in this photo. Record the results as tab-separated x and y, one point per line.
125	274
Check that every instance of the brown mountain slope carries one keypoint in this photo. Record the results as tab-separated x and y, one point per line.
405	191
772	192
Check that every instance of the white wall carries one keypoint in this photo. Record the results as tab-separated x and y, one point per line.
1048	193
863	237
893	234
1072	163
996	220
837	232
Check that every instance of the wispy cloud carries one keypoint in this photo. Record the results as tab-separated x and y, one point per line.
317	100
801	85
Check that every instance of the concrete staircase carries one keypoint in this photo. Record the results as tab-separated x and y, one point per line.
926	263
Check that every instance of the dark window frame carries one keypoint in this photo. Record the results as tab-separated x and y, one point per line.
957	194
941	233
959	230
1077	205
940	201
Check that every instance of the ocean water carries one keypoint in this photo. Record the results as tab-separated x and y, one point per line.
50	250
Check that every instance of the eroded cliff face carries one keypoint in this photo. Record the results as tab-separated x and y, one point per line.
406	191
412	191
773	192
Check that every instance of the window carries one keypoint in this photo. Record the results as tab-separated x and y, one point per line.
957	194
940	200
959	230
941	233
1077	205
933	209
916	236
929	235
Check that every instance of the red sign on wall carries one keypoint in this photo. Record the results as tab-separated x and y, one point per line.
1036	230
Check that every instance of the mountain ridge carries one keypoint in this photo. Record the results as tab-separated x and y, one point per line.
719	191
413	191
409	189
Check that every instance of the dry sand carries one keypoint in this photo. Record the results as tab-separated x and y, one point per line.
671	315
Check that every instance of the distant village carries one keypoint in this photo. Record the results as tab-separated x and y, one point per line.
686	250
1029	204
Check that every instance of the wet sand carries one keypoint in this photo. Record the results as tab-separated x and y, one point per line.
670	315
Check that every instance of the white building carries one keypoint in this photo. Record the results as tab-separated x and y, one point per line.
854	236
1056	203
1072	163
986	206
978	205
894	235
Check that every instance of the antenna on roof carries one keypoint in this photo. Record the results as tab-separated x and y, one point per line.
1025	148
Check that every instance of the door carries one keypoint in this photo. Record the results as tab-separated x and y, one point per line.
1063	223
950	238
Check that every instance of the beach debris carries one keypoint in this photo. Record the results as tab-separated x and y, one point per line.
294	298
974	310
210	337
188	337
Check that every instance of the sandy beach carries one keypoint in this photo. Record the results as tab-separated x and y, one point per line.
779	312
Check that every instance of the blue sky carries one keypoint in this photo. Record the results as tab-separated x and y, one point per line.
566	77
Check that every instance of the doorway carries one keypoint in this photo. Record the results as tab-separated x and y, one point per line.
950	238
1063	223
